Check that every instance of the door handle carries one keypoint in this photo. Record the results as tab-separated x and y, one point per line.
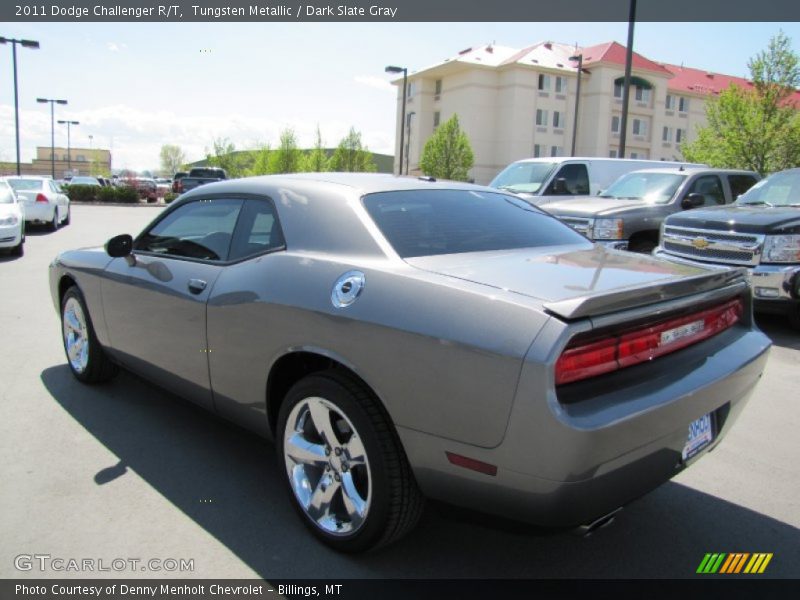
196	286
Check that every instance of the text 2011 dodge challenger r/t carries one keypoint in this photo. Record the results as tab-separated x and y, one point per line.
402	339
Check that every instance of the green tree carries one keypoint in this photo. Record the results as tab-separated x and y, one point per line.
287	157
447	153
172	157
261	164
316	160
352	156
225	155
754	128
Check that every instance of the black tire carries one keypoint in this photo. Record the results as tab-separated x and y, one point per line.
98	367
394	502
643	246
69	216
794	317
53	225
19	249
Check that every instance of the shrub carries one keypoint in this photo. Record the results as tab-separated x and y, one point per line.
169	197
107	194
126	195
82	193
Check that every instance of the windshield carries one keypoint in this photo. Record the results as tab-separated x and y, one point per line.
657	188
780	189
523	176
431	222
84	181
22	185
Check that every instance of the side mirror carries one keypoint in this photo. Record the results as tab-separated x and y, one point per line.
560	186
692	201
120	245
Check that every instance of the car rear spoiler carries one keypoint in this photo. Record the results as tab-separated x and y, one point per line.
639	296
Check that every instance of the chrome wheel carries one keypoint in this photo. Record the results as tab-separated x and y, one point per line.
327	466
76	335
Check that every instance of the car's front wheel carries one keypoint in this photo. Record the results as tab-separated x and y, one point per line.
345	468
85	356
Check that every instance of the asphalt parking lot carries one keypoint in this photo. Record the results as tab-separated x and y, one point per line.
124	470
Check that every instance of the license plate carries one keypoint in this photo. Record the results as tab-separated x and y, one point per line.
672	335
700	435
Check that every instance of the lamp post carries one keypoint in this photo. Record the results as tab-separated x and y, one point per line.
52	102
627	86
404	71
69	148
25	44
579	58
408	151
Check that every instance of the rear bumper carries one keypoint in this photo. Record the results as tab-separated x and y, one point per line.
39	212
566	465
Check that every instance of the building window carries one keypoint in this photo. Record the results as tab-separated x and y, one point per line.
544	82
555	150
670	104
639	127
537	150
680	136
438	87
615	124
612	154
80	158
618	90
411	88
683	104
541	117
634	155
558	120
437	116
561	85
666	136
642	94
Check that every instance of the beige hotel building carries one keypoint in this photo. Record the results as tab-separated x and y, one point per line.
517	104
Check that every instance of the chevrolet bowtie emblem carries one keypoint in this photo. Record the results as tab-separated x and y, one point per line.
700	243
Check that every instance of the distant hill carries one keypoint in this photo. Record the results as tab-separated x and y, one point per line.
384	162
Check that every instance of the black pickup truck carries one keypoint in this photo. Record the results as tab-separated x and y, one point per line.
199	176
760	231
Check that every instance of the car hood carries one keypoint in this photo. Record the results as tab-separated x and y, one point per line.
537	200
746	219
576	281
591	206
10	209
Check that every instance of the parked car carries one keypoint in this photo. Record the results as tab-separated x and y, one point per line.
176	187
145	186
200	176
12	221
43	199
629	213
82	180
400	338
163	186
544	180
760	231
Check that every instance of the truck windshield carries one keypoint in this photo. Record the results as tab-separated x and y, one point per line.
657	188
780	189
526	177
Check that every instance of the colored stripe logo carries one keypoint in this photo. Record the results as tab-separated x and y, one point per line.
734	563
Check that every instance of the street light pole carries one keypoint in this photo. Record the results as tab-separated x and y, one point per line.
623	134
408	153
579	58
25	44
404	71
69	147
52	102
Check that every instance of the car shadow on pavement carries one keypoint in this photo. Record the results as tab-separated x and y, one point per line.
779	330
190	457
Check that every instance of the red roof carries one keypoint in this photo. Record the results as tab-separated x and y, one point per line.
613	52
698	81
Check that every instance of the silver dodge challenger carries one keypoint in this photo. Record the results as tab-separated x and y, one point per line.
404	338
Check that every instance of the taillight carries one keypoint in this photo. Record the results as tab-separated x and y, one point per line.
582	360
41	198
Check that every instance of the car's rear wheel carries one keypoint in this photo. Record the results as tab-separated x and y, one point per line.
86	358
343	463
53	226
69	216
794	317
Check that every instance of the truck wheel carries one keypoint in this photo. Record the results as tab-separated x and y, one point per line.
794	317
343	464
643	246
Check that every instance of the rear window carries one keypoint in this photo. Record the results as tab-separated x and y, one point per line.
431	222
22	185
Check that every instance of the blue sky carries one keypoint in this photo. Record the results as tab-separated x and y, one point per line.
136	86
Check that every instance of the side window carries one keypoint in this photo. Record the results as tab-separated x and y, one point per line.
258	230
201	230
740	184
577	179
710	187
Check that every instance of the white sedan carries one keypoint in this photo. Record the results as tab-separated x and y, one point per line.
43	200
12	220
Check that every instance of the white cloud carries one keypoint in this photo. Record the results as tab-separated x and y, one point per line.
115	47
374	82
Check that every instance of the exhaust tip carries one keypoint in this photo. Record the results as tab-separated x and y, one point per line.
599	523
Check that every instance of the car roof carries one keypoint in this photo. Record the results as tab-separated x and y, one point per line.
694	171
29	177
